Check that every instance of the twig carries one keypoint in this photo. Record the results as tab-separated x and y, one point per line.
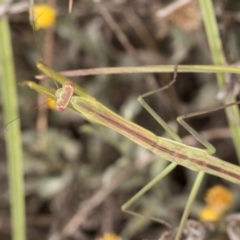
87	206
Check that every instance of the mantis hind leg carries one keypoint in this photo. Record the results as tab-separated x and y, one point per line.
168	169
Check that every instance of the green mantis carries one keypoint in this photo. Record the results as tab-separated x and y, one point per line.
173	150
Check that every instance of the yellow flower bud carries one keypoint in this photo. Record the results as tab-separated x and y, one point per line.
44	16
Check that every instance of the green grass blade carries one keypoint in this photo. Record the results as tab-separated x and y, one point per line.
143	69
218	57
189	204
13	133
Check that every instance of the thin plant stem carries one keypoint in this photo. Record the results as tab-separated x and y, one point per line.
149	69
12	133
218	57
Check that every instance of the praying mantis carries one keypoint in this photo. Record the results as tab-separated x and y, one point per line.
199	160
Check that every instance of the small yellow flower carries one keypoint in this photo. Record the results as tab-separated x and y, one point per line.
44	16
110	236
208	214
219	199
51	103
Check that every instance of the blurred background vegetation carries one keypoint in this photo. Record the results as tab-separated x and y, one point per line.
74	168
